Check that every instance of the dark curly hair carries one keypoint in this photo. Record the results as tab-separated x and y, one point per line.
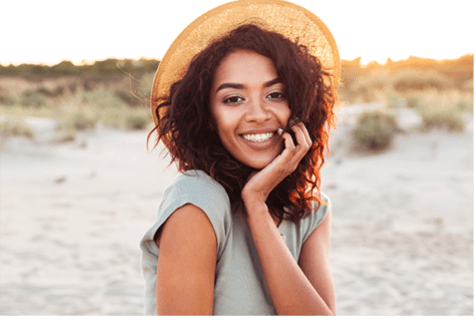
191	142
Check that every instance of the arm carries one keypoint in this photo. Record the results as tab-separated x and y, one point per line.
304	289
314	262
186	265
296	289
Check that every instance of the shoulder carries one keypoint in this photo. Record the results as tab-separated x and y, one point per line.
198	188
196	181
318	213
323	207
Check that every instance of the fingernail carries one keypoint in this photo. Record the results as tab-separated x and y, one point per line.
280	131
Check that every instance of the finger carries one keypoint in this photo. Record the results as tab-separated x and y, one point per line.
299	134
289	147
303	141
283	164
306	133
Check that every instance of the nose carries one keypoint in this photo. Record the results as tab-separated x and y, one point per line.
257	111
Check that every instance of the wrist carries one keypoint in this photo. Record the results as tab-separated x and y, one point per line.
259	221
253	197
255	207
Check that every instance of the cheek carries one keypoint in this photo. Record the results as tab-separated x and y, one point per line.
223	123
225	128
284	115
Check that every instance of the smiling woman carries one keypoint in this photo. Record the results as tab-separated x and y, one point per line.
245	229
187	115
248	106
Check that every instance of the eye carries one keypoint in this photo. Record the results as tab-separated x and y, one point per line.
233	100
276	95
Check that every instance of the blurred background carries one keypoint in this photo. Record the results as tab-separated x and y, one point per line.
78	188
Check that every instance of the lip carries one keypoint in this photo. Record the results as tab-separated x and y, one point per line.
260	144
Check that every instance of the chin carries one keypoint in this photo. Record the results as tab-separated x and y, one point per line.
256	159
258	167
258	164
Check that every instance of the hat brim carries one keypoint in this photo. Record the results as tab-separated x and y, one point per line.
292	21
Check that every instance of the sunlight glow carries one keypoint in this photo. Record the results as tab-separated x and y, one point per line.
50	31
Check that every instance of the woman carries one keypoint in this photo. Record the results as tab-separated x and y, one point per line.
245	228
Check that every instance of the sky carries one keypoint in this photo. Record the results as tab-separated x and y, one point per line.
82	31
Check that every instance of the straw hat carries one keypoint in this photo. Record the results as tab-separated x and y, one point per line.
288	19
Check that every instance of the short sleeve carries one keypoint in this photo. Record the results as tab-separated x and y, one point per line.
197	188
319	212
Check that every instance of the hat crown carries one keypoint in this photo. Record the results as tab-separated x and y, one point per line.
292	21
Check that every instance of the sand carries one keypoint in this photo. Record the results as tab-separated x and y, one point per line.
72	216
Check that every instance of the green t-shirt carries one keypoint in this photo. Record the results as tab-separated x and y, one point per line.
240	287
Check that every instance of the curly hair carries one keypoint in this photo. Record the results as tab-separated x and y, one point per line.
184	121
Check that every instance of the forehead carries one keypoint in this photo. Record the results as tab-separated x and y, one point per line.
244	66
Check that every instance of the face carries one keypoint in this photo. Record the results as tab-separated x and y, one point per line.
248	105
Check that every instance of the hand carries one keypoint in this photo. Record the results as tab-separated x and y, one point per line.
261	183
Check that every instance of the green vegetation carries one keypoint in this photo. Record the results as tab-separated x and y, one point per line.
375	129
33	99
442	119
7	100
13	125
81	101
82	119
375	82
66	132
101	98
67	68
411	79
440	91
137	120
441	116
115	93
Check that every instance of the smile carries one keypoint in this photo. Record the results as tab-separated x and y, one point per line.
260	140
260	137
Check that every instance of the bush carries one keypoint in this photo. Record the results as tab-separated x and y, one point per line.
66	132
372	85
375	129
365	87
417	80
125	118
137	122
15	126
466	106
73	86
34	99
50	93
442	117
415	103
7	100
468	85
396	102
128	98
101	98
83	119
145	86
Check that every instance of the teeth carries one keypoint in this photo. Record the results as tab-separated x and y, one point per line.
258	137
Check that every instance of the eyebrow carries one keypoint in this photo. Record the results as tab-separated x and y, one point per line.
240	86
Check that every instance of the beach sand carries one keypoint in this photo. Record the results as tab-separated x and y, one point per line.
72	216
